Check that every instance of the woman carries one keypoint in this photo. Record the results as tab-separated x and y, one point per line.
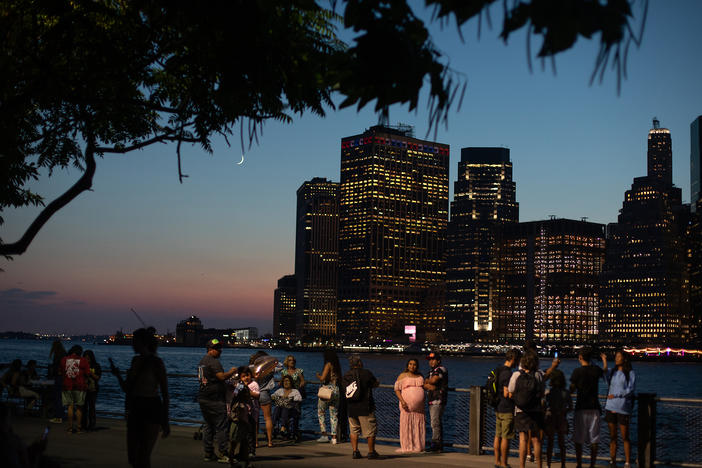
620	399
266	383
89	416
329	378
146	412
17	385
296	374
57	353
410	392
287	401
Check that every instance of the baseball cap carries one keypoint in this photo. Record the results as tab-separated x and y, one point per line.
214	343
433	355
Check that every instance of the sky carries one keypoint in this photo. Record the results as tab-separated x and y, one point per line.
216	245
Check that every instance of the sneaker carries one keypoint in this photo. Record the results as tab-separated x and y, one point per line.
530	457
612	464
356	455
223	459
56	420
373	455
333	440
323	439
210	458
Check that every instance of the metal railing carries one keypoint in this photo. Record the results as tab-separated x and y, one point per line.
664	431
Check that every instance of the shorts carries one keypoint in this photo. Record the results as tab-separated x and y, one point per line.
504	425
586	426
365	426
556	422
73	397
531	421
264	398
617	418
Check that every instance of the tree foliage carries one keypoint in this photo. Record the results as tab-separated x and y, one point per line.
87	78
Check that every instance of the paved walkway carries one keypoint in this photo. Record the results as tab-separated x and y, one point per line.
106	447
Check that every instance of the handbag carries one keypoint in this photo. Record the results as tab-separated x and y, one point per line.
324	393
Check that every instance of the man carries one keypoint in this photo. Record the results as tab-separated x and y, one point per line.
358	383
526	389
74	369
211	397
586	422
504	412
436	385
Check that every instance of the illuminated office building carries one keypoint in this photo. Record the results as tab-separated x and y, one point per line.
284	300
393	214
547	287
645	283
317	258
695	161
484	198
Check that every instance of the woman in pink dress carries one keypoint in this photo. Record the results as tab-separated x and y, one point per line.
410	392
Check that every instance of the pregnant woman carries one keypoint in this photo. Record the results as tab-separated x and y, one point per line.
409	390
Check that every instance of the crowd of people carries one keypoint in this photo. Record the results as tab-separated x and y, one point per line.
535	403
528	401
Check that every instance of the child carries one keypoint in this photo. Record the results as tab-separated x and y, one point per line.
242	427
558	403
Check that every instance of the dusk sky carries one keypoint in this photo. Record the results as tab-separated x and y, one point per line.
216	245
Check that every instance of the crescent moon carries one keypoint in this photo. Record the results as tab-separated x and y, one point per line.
242	160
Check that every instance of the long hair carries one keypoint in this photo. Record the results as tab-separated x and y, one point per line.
626	363
407	365
331	357
57	351
91	357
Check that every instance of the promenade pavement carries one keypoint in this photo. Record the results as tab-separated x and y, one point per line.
106	447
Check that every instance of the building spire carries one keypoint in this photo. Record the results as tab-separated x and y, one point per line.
656	123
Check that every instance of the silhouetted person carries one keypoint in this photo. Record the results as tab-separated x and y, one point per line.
92	386
74	369
54	373
146	411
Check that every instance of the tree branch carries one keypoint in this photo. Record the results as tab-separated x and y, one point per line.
84	183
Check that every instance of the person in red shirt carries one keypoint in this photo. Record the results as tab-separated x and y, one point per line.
74	369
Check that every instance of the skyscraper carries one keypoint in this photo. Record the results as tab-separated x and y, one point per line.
547	287
393	215
695	161
484	197
284	299
645	280
317	258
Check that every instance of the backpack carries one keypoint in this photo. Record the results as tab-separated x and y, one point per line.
490	388
353	389
526	392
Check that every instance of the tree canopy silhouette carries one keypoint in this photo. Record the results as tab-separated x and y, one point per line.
83	79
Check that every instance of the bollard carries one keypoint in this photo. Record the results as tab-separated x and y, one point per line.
647	430
475	428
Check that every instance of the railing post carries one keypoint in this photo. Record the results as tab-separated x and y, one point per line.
475	427
647	430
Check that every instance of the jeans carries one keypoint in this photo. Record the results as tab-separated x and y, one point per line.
216	426
333	406
436	413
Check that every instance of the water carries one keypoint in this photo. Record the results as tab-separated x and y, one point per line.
667	379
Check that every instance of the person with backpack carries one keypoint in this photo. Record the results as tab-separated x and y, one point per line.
358	384
620	402
498	397
74	370
526	389
586	423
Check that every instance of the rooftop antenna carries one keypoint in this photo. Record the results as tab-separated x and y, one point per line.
656	123
139	318
384	117
552	217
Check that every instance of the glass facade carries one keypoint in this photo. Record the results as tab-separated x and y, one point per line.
695	161
317	258
284	299
393	215
645	283
547	286
484	198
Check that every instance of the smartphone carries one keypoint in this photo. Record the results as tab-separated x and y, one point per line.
45	434
555	355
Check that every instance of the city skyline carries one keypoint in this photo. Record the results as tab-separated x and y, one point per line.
216	245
